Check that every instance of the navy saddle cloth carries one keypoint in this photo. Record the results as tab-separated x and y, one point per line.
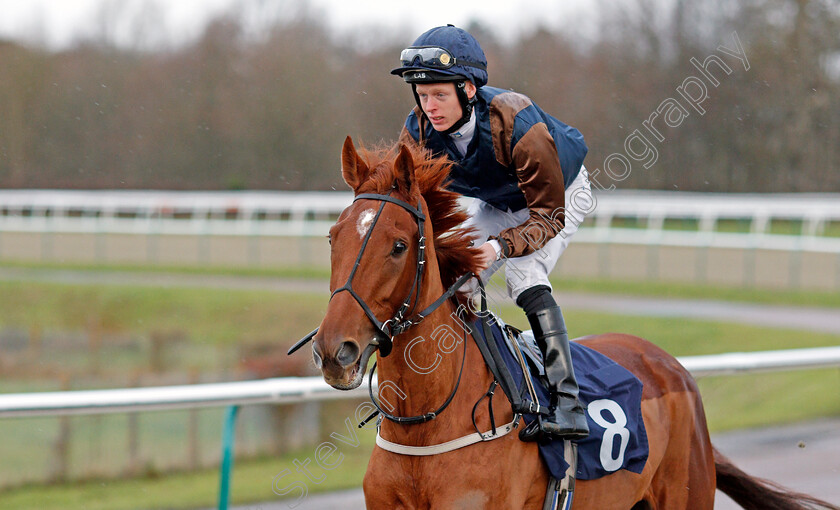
612	395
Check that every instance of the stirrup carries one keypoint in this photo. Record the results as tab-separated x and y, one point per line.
533	432
568	420
538	432
572	435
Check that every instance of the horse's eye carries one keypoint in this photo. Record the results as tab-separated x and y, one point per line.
329	239
399	248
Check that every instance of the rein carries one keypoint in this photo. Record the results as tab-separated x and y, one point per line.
422	418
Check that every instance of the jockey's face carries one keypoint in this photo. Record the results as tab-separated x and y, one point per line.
440	103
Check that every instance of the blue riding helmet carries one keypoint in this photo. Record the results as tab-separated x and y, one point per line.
443	54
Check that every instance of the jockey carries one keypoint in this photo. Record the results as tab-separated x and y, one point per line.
524	170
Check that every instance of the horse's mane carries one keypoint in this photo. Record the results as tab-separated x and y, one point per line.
452	241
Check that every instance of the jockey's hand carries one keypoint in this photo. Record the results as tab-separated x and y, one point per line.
486	257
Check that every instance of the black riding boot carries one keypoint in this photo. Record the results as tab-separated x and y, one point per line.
569	418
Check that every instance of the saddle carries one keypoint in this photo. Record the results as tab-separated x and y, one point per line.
611	393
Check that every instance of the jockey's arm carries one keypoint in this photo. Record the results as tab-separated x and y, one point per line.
540	178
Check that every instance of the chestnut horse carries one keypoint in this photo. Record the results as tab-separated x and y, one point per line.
383	268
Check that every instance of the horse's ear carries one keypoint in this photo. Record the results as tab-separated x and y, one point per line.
404	169
354	170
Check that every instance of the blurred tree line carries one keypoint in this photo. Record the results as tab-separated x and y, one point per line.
233	111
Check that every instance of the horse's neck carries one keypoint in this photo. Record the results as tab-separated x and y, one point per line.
423	371
423	362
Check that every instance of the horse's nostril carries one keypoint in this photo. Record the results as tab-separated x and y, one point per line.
317	358
347	354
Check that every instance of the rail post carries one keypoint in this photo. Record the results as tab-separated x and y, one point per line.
227	456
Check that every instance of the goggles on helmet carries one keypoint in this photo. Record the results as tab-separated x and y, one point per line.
434	57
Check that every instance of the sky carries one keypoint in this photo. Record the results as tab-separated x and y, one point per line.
57	23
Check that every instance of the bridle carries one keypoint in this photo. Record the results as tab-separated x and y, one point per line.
388	329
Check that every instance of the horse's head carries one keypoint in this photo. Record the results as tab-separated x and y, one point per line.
377	259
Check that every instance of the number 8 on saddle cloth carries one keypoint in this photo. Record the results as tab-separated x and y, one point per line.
610	392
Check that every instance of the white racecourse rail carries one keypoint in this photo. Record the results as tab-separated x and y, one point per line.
303	389
312	213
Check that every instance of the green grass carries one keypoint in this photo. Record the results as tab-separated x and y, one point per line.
785	227
252	481
595	285
277	272
207	315
826	299
229	316
629	222
684	337
737	225
687	224
832	229
744	225
760	400
726	225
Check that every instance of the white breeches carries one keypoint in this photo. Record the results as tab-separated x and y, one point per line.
531	270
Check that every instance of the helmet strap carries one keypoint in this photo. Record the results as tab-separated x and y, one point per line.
466	107
416	97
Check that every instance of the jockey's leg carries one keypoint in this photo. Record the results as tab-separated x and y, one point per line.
569	416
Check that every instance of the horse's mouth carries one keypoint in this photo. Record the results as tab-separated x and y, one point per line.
357	372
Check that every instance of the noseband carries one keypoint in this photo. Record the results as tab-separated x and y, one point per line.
386	330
